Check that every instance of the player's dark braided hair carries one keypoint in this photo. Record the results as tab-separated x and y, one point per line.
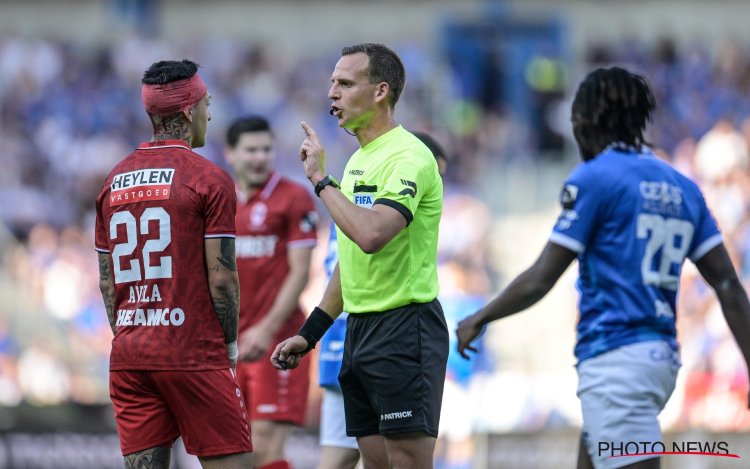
167	71
611	105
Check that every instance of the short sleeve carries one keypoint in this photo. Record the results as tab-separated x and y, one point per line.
101	243
405	184
303	220
220	201
581	202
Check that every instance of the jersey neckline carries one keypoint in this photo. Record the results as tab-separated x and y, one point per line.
382	139
159	144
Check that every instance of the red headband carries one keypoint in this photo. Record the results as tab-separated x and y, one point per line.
171	98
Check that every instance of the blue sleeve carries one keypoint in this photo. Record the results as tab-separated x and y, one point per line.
581	199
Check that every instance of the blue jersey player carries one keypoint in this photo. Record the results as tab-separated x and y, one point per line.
631	220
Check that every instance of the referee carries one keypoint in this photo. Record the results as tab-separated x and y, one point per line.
387	210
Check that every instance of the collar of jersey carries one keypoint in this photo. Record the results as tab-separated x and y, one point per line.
622	146
158	144
382	139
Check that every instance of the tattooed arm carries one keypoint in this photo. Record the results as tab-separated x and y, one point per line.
224	285
107	287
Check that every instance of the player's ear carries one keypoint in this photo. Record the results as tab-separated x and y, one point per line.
381	91
187	114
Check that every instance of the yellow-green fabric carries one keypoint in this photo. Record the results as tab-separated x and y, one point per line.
398	170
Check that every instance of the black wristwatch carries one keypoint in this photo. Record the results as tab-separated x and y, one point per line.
326	181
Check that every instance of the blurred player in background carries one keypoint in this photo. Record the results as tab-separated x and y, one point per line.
276	233
338	450
388	209
165	239
465	274
631	220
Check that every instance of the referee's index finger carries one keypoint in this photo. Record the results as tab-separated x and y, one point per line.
309	131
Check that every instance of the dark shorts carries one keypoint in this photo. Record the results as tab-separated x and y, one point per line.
393	371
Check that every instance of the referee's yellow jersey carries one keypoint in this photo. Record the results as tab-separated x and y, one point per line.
398	170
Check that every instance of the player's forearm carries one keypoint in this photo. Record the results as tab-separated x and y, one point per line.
108	295
531	286
361	225
107	288
523	292
226	299
287	300
736	307
224	284
333	302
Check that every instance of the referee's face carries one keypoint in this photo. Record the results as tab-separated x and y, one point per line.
353	96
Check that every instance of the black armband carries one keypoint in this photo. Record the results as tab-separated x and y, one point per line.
315	327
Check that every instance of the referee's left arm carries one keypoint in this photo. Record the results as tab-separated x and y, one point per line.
288	353
333	301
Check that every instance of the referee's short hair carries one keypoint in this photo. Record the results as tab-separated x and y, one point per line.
385	65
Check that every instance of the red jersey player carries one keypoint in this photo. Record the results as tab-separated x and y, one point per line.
165	239
276	233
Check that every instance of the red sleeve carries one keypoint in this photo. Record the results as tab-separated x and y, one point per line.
100	228
220	205
303	219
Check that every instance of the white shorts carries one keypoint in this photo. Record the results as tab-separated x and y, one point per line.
456	414
333	422
622	393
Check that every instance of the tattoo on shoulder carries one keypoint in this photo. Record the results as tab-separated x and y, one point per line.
227	258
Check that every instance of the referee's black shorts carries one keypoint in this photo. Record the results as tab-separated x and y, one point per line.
393	371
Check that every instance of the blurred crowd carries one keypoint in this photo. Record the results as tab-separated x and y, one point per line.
69	112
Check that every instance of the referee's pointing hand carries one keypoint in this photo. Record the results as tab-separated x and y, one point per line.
312	154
